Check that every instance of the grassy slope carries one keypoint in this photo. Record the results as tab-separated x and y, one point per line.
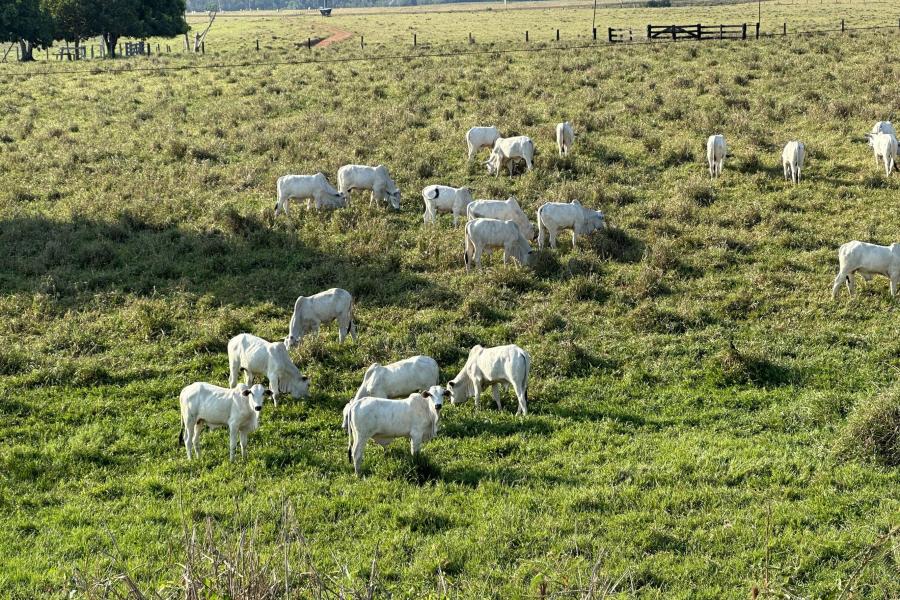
136	239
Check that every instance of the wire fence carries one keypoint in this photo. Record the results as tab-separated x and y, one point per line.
422	50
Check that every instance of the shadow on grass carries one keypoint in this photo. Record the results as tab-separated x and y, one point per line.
246	263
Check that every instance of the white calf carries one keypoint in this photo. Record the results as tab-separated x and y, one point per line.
867	260
884	145
445	199
384	420
399	379
554	216
311	311
716	150
492	233
481	137
214	406
259	358
507	151
313	188
565	137
792	158
503	210
493	366
376	179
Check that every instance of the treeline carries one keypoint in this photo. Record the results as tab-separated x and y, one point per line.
202	5
38	23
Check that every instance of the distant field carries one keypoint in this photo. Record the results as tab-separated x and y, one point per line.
693	380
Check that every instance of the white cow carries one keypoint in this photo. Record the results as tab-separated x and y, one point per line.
259	358
399	379
507	151
492	367
312	188
213	406
504	210
716	150
884	127
445	199
493	233
376	179
415	417
481	137
554	216
884	145
565	137
311	311
867	260
792	158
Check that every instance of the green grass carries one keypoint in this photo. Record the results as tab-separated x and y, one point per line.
137	237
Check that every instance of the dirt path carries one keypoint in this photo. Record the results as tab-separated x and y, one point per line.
337	35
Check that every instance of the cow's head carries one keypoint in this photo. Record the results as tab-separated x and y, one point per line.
291	341
394	199
298	387
458	389
492	163
255	396
436	394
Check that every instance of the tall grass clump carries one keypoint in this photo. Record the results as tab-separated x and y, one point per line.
872	431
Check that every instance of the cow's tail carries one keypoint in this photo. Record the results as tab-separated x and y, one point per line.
526	358
540	226
466	248
278	196
181	435
348	415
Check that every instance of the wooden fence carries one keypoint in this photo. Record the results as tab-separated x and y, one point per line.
618	36
697	32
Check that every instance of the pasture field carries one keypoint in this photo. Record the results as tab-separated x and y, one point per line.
693	382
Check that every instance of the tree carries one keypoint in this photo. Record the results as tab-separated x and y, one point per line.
139	19
24	22
72	19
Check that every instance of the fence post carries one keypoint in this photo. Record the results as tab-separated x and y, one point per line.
414	40
257	44
673	32
610	34
168	49
18	57
594	30
309	43
648	33
842	26
149	51
526	36
744	32
92	52
203	47
784	30
471	41
557	35
757	31
48	54
362	43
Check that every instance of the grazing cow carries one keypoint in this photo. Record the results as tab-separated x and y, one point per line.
493	367
312	188
493	233
383	420
504	210
867	260
311	311
884	145
884	127
376	179
716	150
507	151
257	357
792	158
213	406
565	137
481	137
554	216
399	379
445	199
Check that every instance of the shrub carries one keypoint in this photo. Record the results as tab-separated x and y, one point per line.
872	431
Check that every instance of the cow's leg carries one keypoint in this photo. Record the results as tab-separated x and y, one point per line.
476	390
232	441
712	167
574	238
243	444
359	446
528	163
838	282
798	175
188	436
553	233
522	396
851	283
198	427
894	279
477	257
273	385
472	149
415	444
496	391
234	370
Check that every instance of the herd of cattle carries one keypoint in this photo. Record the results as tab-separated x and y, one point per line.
404	399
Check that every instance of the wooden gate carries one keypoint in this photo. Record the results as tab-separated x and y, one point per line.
697	32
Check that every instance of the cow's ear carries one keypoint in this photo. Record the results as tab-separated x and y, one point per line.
246	393
304	378
451	383
426	394
267	393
